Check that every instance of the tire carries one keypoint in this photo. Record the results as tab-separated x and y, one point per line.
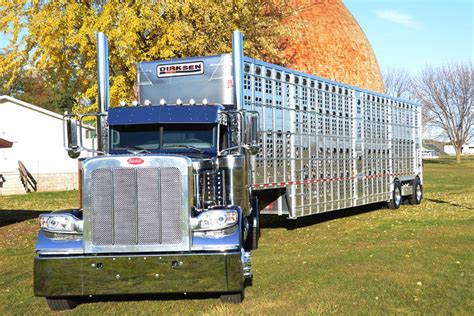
60	304
417	195
251	243
396	199
233	298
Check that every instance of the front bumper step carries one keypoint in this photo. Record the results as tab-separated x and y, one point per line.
138	274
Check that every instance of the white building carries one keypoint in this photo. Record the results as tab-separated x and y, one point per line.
427	153
33	136
467	149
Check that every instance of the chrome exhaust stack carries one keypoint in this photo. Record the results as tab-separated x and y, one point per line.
238	68
104	98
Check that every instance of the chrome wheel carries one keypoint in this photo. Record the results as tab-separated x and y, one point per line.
418	192
396	199
417	195
397	195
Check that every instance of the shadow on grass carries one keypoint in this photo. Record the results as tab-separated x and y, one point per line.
273	221
449	203
8	217
148	297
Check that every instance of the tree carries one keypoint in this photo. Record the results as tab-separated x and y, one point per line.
58	40
447	93
398	82
30	87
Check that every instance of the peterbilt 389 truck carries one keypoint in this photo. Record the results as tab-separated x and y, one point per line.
170	202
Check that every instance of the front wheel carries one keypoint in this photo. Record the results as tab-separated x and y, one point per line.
254	227
417	195
396	199
60	304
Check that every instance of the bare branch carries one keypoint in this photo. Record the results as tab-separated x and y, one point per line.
446	94
398	82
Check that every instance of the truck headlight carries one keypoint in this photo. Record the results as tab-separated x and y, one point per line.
215	219
61	223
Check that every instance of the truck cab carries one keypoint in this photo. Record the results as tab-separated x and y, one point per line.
165	205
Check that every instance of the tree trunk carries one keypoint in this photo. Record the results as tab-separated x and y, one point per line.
458	156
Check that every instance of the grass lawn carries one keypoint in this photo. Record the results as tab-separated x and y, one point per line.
371	260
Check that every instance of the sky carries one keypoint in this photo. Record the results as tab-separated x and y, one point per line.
412	34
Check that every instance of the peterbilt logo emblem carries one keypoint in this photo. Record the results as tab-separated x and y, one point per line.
182	69
135	161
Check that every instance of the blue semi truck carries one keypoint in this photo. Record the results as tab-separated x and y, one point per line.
170	202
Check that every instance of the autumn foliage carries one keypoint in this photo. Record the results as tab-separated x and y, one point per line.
54	41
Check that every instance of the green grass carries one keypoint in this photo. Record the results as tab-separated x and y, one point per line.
416	260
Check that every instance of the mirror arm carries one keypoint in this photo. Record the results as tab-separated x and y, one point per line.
244	146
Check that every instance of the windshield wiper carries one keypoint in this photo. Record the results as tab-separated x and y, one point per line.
182	146
137	150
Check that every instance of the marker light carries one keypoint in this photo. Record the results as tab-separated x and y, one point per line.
162	102
204	101
123	103
192	102
179	102
135	103
147	102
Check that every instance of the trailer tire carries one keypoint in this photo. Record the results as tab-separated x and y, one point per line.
60	304
251	243
417	195
233	298
396	199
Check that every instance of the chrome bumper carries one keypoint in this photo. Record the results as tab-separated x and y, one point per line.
164	273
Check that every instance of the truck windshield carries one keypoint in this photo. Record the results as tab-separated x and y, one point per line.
163	136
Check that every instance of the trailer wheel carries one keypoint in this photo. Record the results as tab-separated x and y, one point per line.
417	195
396	199
233	298
254	227
60	304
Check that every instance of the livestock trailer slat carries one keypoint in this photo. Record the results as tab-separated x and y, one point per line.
329	145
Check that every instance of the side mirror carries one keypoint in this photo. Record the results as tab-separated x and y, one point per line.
253	134
72	138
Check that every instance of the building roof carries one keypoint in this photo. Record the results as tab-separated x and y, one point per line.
6	98
431	147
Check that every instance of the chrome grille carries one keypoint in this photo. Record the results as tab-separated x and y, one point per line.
136	206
